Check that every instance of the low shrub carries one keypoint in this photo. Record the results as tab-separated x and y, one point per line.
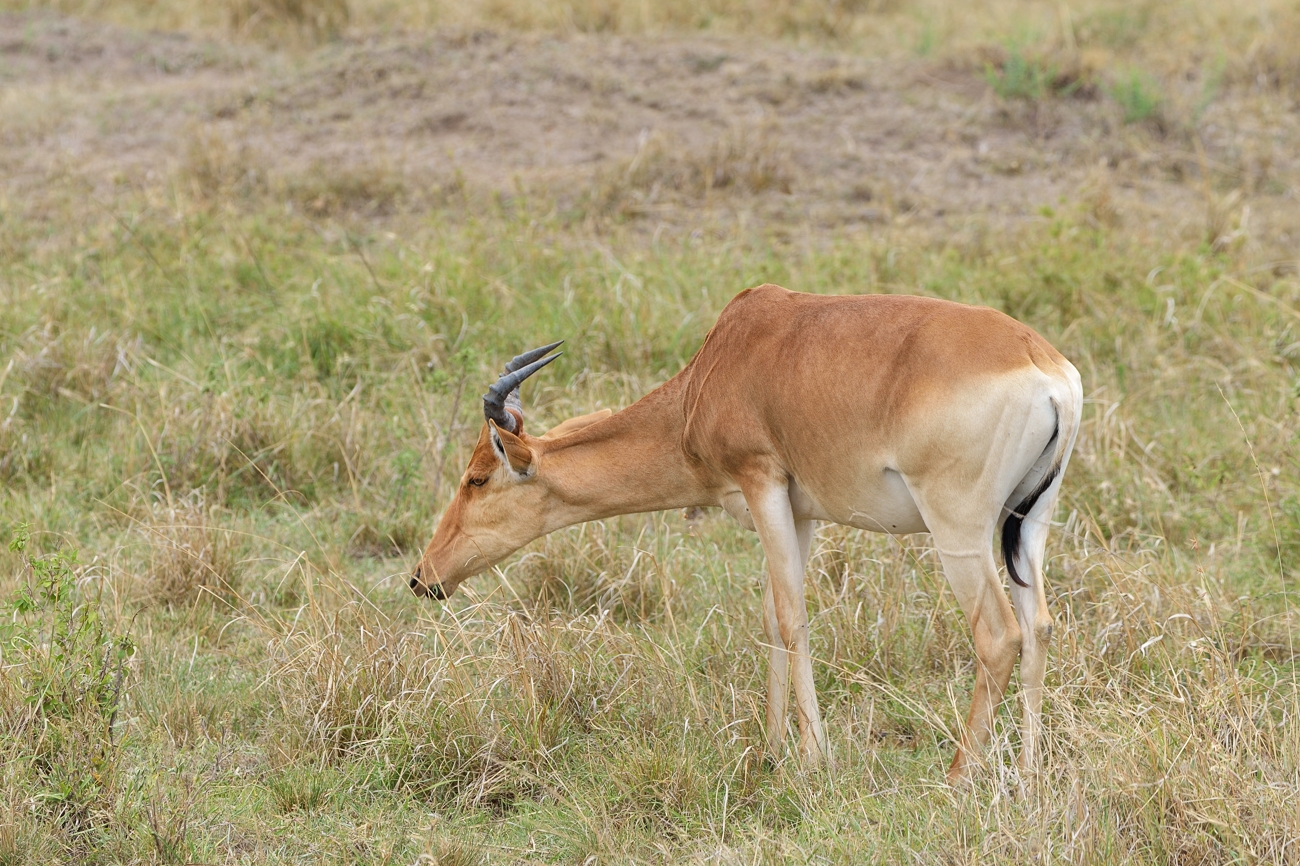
63	675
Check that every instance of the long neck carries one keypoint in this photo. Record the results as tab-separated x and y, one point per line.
628	463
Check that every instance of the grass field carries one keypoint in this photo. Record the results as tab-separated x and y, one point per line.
245	324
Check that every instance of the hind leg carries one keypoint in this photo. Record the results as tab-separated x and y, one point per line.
973	575
1035	622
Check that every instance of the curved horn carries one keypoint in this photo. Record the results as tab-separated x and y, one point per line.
505	392
519	361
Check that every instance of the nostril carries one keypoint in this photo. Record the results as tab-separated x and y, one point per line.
414	581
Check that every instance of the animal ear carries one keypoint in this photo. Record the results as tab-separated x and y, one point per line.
573	425
514	455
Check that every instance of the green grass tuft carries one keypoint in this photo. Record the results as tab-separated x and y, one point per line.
1138	96
1020	77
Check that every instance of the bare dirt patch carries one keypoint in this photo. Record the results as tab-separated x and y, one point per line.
657	129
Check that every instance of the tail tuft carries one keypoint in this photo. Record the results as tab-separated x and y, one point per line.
1014	521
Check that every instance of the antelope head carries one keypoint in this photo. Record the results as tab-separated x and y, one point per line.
500	504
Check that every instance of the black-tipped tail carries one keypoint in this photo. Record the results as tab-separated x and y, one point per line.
1011	528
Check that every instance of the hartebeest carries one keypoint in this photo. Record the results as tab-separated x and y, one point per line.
889	413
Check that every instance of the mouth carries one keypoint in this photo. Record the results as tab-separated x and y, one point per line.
420	588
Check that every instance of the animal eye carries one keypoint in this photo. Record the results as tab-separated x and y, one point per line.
477	482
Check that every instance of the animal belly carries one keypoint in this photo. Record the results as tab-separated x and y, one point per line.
882	504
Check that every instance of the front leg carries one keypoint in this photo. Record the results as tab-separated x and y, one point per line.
778	677
778	667
786	542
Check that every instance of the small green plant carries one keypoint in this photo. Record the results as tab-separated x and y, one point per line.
1211	85
926	41
66	667
299	788
1019	77
1138	96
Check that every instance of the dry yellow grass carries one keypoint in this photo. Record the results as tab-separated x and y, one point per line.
189	558
660	173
